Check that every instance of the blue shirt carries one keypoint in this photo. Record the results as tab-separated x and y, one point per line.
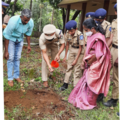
15	30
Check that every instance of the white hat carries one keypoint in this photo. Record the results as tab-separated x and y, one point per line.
49	29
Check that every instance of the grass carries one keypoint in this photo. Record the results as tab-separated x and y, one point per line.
30	69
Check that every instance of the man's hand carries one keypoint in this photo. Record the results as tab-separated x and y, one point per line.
116	63
64	60
50	68
74	62
57	58
28	49
6	55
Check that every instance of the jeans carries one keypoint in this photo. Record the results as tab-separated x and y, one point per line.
13	63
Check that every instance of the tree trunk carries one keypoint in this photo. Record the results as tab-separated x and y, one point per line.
52	16
63	17
14	7
31	5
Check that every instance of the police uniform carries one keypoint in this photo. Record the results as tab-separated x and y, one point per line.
74	42
88	15
100	14
46	42
114	53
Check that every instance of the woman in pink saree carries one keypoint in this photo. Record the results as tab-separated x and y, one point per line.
96	76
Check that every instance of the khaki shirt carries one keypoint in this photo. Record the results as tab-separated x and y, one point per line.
106	26
114	31
58	38
76	40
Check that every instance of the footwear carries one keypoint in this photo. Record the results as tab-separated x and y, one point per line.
45	84
111	102
64	87
118	114
19	80
100	97
10	83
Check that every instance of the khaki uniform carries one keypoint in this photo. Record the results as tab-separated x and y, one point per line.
106	26
52	49
114	53
74	41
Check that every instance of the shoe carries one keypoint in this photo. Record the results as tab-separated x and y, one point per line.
10	83
100	97
64	87
111	102
45	84
19	80
118	114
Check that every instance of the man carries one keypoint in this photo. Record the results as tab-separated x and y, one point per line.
14	34
100	16
114	52
88	15
48	42
76	40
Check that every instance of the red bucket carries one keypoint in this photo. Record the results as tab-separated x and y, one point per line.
54	64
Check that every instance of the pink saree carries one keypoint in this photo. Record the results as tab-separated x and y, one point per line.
96	78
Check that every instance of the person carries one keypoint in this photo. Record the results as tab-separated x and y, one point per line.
48	42
114	53
88	15
4	6
74	38
100	16
96	76
14	34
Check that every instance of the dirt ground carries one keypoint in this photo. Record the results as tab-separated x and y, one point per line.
41	101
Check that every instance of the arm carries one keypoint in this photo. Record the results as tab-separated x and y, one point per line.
28	41
78	55
6	55
93	59
109	42
57	58
45	56
66	51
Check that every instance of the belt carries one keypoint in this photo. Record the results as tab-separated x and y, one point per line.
115	46
75	46
85	44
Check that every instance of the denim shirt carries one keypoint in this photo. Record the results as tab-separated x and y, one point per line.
15	30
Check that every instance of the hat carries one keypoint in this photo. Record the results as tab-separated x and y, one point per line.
100	13
71	25
5	4
90	14
115	5
49	29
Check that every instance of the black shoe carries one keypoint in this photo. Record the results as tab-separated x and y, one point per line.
118	114
100	97
111	102
64	87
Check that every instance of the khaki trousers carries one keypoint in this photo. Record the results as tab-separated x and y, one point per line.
115	91
77	68
52	50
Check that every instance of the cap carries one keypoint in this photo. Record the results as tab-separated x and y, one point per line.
90	14
49	29
115	5
71	25
5	4
100	13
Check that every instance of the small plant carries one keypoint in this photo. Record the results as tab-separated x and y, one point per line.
39	79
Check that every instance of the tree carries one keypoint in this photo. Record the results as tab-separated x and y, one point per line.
13	7
31	5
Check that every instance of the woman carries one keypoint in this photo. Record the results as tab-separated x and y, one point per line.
96	77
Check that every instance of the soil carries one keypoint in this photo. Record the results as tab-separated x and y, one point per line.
40	101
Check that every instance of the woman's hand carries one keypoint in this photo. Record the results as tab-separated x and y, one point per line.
91	60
